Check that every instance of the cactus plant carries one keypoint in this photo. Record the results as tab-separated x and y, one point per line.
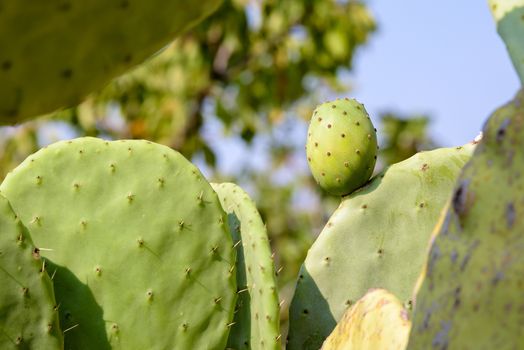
137	242
341	146
257	311
56	52
143	256
509	15
377	238
377	321
471	297
27	303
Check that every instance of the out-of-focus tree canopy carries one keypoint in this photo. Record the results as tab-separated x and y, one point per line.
251	73
251	61
403	136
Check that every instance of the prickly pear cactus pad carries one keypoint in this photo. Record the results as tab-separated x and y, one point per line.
377	238
28	311
471	297
53	53
341	146
509	15
257	312
377	321
136	240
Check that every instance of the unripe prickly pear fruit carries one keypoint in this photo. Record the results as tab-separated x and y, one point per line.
341	146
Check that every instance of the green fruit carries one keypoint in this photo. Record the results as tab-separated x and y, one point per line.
377	321
137	242
471	296
257	321
377	238
341	146
55	52
28	311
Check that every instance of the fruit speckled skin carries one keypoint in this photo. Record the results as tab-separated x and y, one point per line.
472	294
341	146
136	240
377	321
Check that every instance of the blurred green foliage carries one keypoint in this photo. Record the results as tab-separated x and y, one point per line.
403	137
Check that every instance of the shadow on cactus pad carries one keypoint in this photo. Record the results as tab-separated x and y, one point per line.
314	338
67	284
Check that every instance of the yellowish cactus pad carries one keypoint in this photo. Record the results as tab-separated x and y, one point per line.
378	321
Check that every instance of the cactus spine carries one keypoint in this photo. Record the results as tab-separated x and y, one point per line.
28	310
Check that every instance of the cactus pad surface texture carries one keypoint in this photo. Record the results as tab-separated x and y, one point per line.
377	321
28	311
257	314
471	297
377	238
341	146
53	53
136	240
509	15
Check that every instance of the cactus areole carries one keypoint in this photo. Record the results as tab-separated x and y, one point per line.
341	146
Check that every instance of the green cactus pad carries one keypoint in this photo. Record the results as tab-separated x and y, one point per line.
509	15
28	311
377	238
377	321
341	146
257	313
432	238
471	297
53	53
137	242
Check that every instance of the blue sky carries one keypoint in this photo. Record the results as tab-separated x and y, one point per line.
443	58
